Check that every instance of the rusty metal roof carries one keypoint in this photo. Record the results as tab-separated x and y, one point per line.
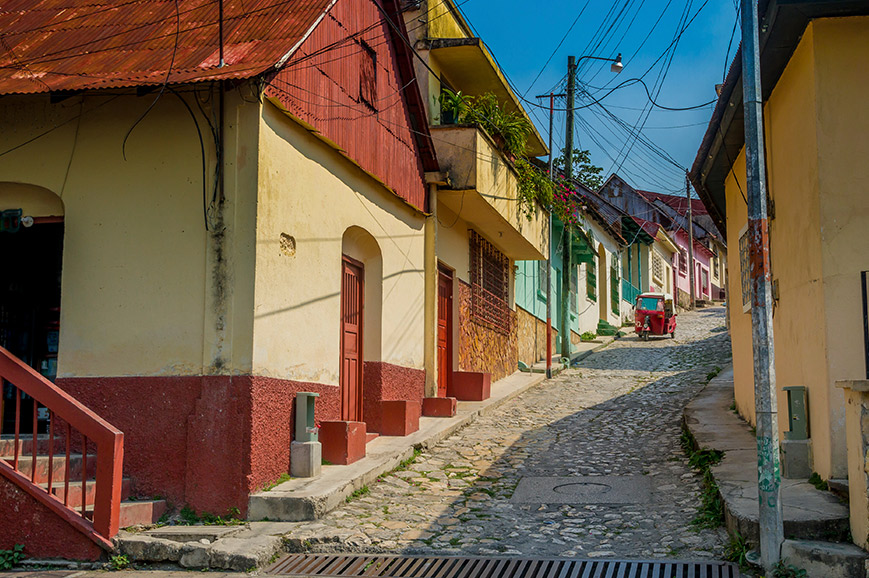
67	45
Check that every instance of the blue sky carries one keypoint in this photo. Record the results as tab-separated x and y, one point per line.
523	34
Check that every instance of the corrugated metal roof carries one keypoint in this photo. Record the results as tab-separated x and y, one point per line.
677	203
63	45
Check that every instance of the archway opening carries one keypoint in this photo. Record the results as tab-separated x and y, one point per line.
31	257
361	314
602	293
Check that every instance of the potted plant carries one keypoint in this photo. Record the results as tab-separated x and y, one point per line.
453	106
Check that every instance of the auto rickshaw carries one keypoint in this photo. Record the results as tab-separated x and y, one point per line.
654	315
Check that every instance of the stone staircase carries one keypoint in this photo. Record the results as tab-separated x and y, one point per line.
76	494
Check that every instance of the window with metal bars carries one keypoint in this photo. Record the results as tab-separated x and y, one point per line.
657	268
614	283
683	261
490	281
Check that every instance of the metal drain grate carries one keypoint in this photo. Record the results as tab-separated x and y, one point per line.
310	565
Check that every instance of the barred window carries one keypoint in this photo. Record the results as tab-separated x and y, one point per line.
490	279
683	261
657	268
542	272
744	265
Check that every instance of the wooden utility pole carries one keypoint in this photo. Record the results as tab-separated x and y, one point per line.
768	459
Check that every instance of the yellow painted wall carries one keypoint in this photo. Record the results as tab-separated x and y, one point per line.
815	127
442	19
309	192
453	238
137	289
842	127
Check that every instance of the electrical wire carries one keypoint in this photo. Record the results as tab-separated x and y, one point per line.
162	88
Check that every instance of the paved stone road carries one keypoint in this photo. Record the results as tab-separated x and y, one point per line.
617	414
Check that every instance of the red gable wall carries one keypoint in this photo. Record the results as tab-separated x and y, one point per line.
320	84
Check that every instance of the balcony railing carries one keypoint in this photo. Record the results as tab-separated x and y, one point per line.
629	292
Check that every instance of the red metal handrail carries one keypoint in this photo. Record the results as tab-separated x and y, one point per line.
108	440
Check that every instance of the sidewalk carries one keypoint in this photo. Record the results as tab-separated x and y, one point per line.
241	548
809	514
583	350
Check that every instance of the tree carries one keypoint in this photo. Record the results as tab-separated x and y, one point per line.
583	170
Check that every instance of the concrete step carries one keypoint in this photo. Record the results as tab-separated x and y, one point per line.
75	491
141	512
825	559
25	466
137	513
25	445
371	436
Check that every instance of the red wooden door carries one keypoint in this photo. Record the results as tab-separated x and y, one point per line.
352	298
445	331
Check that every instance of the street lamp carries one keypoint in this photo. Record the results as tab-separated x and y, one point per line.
615	67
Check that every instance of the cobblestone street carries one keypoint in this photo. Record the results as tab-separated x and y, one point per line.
616	416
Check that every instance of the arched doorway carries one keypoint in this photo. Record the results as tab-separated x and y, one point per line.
361	312
31	258
602	293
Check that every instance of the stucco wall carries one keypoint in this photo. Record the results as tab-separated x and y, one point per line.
309	196
842	127
137	287
589	312
797	263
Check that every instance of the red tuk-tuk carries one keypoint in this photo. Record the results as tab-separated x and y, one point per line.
654	315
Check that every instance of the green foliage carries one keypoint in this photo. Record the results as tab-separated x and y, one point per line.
120	562
784	570
736	550
188	516
816	480
534	185
583	170
588	336
11	558
232	518
705	458
285	477
710	514
357	494
509	129
711	375
453	106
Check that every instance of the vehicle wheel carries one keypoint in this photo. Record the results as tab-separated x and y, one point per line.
673	334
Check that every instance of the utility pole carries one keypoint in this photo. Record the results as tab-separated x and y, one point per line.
691	280
567	234
768	460
551	96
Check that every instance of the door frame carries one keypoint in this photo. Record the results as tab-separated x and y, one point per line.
449	274
361	266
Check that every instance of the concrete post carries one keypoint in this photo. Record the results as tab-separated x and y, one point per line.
430	356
